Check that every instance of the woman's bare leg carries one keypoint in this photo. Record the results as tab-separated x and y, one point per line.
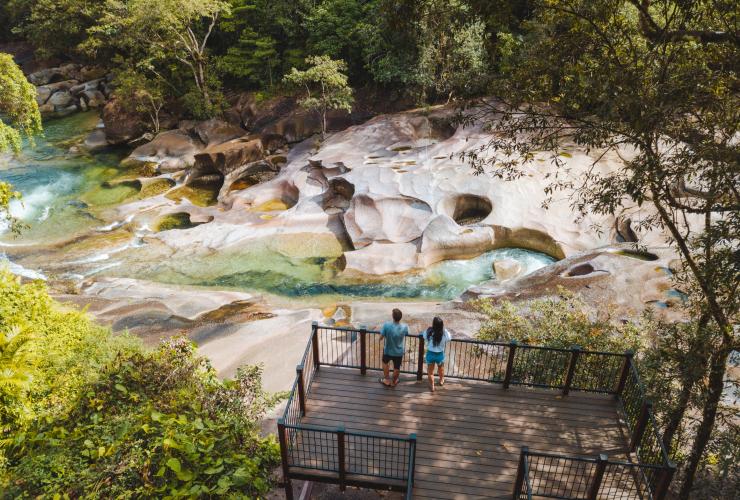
430	374
441	372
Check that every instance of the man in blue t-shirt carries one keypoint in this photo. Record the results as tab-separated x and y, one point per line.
394	334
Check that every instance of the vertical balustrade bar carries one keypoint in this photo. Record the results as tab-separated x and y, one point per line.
284	457
315	344
340	458
574	354
593	489
641	425
664	481
510	363
520	474
301	389
420	359
628	357
363	351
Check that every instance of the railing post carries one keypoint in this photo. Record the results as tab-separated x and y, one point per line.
574	353
340	458
315	344
284	458
520	474
641	425
510	363
412	463
664	481
363	351
420	359
301	389
626	366
593	489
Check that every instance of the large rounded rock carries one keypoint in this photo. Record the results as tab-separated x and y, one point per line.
42	95
61	99
214	131
93	98
121	125
95	140
444	239
385	219
226	157
506	269
173	150
382	258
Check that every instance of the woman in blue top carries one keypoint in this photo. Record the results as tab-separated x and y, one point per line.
436	338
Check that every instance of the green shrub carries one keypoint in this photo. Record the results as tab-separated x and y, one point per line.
562	321
67	348
154	425
92	415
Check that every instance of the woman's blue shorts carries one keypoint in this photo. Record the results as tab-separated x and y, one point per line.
435	358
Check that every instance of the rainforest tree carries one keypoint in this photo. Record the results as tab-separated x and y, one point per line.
19	118
654	82
323	86
153	34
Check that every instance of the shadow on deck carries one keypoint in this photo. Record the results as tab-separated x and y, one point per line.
469	434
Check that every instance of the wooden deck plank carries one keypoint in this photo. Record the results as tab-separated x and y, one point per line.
469	434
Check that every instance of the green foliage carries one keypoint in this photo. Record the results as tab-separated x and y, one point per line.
67	347
154	36
140	93
86	414
57	27
19	113
16	369
19	117
324	86
153	425
563	321
337	28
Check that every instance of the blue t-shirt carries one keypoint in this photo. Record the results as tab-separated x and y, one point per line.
395	338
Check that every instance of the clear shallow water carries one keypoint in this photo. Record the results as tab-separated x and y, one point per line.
58	187
64	197
444	280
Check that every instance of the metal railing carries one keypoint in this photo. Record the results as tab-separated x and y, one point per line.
568	477
334	455
507	363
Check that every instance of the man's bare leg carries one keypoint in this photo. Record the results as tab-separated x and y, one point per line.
386	374
396	375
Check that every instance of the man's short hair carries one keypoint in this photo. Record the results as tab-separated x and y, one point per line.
397	315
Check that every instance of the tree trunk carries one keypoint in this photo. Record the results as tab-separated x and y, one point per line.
203	85
687	385
323	125
709	415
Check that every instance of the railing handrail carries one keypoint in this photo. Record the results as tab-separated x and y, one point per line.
499	343
323	428
593	460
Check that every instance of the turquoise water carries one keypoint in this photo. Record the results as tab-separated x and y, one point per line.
54	182
444	280
64	204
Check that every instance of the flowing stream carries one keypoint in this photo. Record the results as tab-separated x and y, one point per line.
70	234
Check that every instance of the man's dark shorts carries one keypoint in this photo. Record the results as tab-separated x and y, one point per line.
396	361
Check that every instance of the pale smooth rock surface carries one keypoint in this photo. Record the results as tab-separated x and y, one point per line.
506	269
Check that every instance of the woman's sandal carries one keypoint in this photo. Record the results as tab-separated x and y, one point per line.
382	381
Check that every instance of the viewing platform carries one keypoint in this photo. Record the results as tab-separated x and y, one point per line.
512	421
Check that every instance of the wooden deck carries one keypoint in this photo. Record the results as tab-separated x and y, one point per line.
469	434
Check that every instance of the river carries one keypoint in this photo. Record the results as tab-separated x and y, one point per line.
72	234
